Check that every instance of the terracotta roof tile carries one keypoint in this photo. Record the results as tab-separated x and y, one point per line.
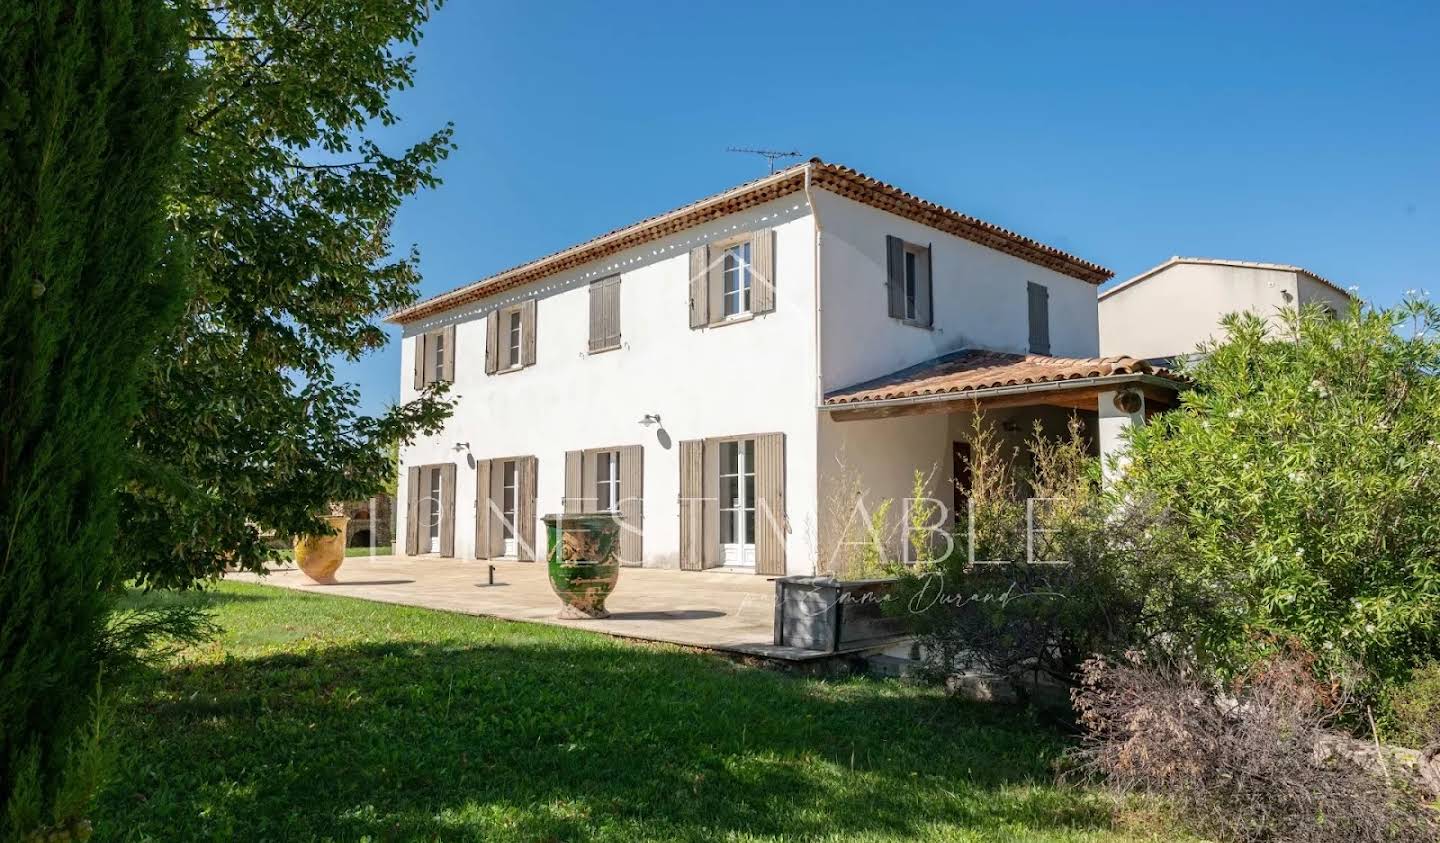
835	178
975	369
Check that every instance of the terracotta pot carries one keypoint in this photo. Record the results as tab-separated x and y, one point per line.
320	556
584	560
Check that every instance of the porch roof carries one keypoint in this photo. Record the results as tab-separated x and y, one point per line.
992	377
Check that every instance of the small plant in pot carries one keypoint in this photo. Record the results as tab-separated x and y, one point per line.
583	555
319	556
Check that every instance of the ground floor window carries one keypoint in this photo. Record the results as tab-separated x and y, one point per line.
737	503
607	481
433	512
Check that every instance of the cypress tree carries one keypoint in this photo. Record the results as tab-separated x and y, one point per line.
90	107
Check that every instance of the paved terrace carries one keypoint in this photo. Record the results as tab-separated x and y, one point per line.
710	609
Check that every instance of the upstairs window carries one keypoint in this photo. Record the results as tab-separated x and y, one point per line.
435	357
510	338
737	277
908	282
605	314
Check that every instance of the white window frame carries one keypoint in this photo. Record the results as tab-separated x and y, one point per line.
515	339
436	346
509	504
741	511
735	263
433	514
607	481
912	272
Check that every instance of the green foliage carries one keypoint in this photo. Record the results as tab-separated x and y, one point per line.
287	204
921	510
1414	716
1015	609
1302	475
326	718
89	129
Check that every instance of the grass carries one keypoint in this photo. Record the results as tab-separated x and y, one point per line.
327	718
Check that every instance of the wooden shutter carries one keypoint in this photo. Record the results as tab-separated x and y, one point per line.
770	521
449	355
895	275
924	293
420	361
1039	299
699	295
412	511
527	333
715	285
447	509
525	549
572	503
428	365
589	499
496	517
605	313
692	528
710	539
492	342
762	267
632	504
482	509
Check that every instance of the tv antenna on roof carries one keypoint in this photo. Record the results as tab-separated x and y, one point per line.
770	155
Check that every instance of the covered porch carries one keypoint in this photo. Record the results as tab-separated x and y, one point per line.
877	434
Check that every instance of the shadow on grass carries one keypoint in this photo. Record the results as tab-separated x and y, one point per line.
530	733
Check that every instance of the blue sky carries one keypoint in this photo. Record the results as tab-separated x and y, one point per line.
1125	133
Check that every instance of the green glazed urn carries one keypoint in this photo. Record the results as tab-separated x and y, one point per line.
584	559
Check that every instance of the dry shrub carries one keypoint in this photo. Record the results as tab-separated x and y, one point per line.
1242	765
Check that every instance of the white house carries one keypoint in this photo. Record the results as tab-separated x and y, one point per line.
1169	309
706	372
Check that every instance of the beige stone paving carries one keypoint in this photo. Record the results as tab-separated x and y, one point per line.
710	609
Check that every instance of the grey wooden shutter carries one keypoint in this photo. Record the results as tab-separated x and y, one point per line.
492	342
770	522
762	266
428	366
449	355
1039	299
895	275
482	509
605	313
419	361
527	333
632	504
525	549
692	527
572	503
589	499
924	294
699	296
710	547
715	285
447	509
496	518
412	511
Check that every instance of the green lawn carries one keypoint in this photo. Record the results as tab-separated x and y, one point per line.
326	718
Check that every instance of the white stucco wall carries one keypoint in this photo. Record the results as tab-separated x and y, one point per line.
1179	307
980	298
755	376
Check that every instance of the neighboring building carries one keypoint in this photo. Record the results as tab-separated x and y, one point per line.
706	372
1168	310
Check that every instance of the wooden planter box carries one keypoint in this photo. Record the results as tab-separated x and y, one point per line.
832	616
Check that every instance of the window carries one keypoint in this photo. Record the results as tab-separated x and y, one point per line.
737	502
737	279
605	314
433	511
1039	317
510	338
438	352
435	357
607	481
509	499
513	357
908	283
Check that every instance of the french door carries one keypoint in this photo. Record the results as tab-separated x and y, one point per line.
737	503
